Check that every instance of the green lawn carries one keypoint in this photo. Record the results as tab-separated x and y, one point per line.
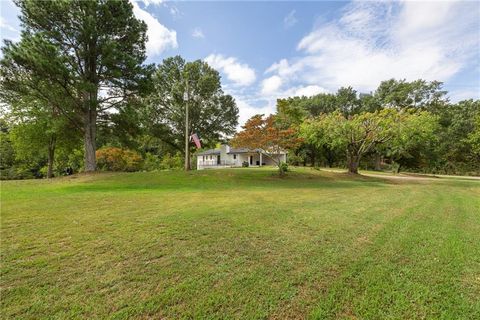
240	243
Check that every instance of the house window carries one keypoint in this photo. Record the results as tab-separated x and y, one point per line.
234	157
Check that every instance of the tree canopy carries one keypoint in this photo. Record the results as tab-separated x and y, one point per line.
88	52
265	133
212	114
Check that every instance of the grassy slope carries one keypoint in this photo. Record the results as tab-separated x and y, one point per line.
240	244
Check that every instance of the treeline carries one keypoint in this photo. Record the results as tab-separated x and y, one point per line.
77	94
400	126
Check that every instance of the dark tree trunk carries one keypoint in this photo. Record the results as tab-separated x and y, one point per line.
312	158
329	156
89	139
353	165
353	159
378	161
90	103
51	156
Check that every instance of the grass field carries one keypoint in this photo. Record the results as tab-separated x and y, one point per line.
240	243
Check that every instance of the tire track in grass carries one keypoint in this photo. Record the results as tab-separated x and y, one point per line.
413	268
317	282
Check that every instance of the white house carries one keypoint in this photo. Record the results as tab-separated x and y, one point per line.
226	157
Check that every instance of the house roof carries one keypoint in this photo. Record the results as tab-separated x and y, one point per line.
232	151
209	152
241	150
246	150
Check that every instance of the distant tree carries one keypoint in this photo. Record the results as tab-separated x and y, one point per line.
39	138
212	113
414	136
416	94
90	52
7	153
37	126
347	101
368	103
267	135
474	139
458	123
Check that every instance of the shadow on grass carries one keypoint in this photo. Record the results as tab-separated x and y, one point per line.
242	179
226	179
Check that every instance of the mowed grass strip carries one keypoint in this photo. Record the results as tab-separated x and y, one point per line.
240	243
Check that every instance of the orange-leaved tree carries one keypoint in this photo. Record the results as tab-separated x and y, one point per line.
269	136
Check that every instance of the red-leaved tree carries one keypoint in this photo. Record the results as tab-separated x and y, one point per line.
265	134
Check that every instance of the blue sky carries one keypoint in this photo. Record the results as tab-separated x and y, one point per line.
267	50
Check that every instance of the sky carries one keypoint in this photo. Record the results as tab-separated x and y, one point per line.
269	50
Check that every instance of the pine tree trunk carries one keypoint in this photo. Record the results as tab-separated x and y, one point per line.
89	139
51	156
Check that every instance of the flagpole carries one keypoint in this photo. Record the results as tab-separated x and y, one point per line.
187	155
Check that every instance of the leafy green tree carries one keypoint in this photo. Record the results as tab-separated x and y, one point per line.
347	101
88	52
212	113
416	94
269	136
291	112
356	134
7	153
474	139
458	123
414	136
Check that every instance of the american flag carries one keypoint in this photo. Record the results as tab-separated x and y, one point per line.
196	140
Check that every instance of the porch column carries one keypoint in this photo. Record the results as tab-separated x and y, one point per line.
260	158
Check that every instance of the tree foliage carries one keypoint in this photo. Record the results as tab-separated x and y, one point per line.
176	83
81	56
359	134
266	134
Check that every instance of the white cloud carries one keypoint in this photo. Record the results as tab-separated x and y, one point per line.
464	94
160	38
239	73
152	2
271	85
4	25
290	20
198	33
375	41
309	91
174	11
246	111
9	22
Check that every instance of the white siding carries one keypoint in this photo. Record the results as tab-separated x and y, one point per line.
235	160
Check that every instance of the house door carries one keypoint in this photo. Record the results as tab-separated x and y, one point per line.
218	159
251	160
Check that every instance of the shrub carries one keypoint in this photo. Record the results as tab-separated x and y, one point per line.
68	161
245	164
152	162
283	168
172	162
116	159
296	160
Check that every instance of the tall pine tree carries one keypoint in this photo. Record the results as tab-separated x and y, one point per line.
90	52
